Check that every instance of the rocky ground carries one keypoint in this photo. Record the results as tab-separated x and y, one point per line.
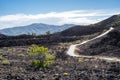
108	45
64	67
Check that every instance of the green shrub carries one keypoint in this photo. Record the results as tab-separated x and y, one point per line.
81	59
1	58
9	50
36	63
65	74
33	34
41	55
48	33
6	62
21	55
1	51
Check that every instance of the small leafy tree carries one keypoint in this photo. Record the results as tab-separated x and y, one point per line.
33	34
41	56
48	33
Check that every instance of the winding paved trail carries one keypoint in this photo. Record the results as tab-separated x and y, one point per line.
71	50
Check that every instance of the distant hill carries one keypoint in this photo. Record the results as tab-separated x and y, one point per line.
112	21
2	36
93	28
108	45
37	28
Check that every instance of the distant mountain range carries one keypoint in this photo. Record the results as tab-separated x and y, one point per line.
64	30
38	28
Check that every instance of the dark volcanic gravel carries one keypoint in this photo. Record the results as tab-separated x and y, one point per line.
109	45
67	68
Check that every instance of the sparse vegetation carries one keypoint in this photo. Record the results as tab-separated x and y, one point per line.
41	56
1	58
81	59
1	51
48	33
21	55
9	50
65	74
6	62
33	34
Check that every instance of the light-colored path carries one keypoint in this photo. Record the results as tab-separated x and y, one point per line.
71	50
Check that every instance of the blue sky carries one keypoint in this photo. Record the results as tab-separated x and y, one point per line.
24	12
44	6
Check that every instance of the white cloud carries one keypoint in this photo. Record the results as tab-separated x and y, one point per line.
57	18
